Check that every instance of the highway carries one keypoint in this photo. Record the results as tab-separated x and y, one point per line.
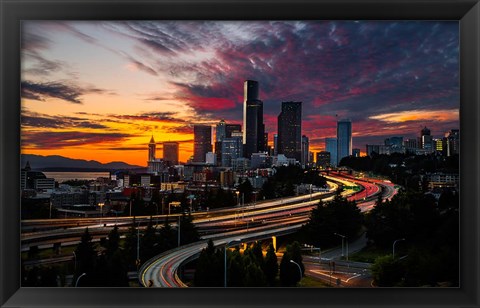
249	222
161	271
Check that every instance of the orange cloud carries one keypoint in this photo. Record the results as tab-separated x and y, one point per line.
419	115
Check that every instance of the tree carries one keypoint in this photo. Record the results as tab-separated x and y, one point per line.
117	270
188	231
235	269
167	238
130	246
246	190
85	255
149	242
271	265
387	272
113	241
209	270
336	216
289	272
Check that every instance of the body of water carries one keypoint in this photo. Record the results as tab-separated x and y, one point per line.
65	176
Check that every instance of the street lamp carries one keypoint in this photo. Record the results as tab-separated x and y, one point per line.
179	230
238	200
78	279
138	245
75	258
343	237
232	242
299	268
101	212
393	250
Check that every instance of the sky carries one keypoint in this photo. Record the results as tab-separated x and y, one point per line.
99	90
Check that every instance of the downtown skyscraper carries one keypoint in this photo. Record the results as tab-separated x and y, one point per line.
253	127
344	139
202	142
290	130
170	152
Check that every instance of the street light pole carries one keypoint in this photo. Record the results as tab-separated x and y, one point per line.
225	259
178	230
343	237
75	258
299	268
138	245
393	249
78	279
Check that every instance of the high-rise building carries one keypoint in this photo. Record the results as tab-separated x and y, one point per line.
426	140
220	134
305	159
411	145
453	142
275	144
253	128
290	130
220	131
331	147
154	165
231	150
230	128
151	149
202	142
323	159
356	152
344	139
170	152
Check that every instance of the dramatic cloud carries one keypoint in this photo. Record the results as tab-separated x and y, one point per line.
389	77
69	93
67	139
171	117
419	115
45	121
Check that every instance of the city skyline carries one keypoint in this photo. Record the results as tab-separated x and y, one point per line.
99	90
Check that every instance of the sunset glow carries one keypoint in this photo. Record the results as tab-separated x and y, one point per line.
100	90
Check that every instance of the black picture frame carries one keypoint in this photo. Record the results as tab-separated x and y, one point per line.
14	11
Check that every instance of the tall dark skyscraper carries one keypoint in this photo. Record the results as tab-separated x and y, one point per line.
202	142
344	139
220	134
426	140
253	128
170	152
290	130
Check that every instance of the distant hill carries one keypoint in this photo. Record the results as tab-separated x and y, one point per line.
60	163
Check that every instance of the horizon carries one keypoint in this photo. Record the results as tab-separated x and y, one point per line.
99	90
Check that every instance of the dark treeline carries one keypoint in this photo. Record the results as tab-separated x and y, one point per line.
403	169
106	264
429	253
248	269
336	216
282	183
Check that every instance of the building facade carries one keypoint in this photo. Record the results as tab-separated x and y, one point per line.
344	139
305	159
331	147
253	127
170	152
202	142
290	130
